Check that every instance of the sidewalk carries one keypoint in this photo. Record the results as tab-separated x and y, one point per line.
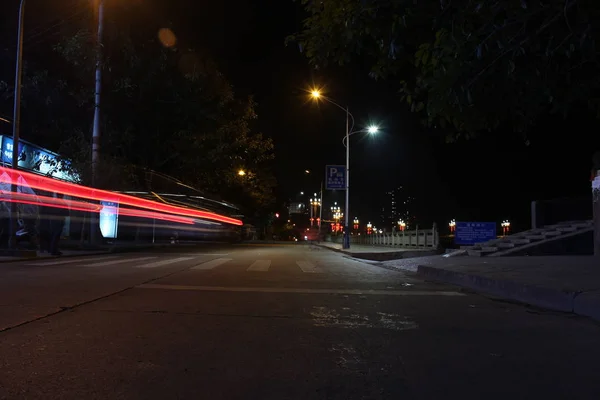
562	283
75	249
378	253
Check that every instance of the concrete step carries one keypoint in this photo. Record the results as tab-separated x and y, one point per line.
519	240
481	251
582	224
552	233
535	237
505	245
566	229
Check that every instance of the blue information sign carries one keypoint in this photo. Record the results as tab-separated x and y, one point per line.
474	232
335	177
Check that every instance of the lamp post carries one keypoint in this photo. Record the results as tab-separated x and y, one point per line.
505	227
316	94
402	225
96	128
17	122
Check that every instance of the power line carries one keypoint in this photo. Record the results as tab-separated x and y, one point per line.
44	31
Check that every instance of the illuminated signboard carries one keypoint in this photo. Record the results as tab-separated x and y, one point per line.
35	159
109	219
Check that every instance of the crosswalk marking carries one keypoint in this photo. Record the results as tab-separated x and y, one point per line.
113	262
307	266
70	261
212	264
260	265
361	292
163	262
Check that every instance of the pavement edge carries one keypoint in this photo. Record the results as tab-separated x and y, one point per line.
552	299
386	256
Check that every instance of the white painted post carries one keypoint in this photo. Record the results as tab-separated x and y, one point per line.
417	234
596	205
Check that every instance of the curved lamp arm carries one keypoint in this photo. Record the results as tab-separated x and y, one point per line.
344	109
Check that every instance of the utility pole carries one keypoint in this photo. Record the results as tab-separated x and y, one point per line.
321	211
346	243
96	133
17	124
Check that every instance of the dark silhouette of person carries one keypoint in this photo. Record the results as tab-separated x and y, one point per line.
45	228
57	223
595	164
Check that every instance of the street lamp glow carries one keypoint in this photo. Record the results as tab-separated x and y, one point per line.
241	172
372	129
315	93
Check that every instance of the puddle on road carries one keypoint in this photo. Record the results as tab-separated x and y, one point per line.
325	317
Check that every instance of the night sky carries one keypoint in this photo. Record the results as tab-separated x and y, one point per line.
490	178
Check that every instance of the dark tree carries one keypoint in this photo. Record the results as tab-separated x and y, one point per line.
470	65
165	109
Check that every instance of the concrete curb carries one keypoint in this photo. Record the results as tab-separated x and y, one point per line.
586	304
387	256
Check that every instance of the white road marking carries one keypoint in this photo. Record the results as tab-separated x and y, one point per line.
212	264
307	266
260	265
163	262
71	261
301	290
114	262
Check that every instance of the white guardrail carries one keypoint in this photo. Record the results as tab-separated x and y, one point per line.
415	238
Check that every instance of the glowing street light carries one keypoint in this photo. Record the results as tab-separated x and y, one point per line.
316	95
402	225
505	227
241	172
452	225
372	129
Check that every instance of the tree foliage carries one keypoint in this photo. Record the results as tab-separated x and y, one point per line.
164	109
470	65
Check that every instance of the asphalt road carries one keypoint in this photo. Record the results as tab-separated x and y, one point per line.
274	322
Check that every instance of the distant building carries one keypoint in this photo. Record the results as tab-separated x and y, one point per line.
398	204
297	208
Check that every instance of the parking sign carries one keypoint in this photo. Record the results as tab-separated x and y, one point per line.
335	177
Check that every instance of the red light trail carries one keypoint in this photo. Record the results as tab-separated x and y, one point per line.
24	198
22	178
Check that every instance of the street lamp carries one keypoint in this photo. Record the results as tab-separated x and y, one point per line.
314	203
241	172
402	225
505	227
316	94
